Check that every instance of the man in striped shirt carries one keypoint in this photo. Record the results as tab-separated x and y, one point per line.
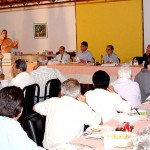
44	73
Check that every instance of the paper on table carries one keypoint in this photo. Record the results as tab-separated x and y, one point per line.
109	65
127	118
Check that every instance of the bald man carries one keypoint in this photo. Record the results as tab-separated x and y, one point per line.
147	54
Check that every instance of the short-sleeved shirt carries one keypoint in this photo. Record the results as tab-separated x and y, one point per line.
87	55
106	103
112	58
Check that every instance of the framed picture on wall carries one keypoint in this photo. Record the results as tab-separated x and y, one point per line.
40	30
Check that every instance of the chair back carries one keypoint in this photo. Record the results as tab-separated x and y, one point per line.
138	58
29	93
34	125
52	88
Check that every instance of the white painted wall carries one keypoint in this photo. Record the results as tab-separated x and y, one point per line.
61	28
146	8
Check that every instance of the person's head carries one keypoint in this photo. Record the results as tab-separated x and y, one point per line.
11	102
124	72
148	50
70	87
61	50
147	63
4	33
19	66
101	80
42	60
84	46
109	49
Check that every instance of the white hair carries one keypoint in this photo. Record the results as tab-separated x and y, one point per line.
124	72
42	61
70	87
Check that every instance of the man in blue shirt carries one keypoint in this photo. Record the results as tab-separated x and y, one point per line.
84	55
12	136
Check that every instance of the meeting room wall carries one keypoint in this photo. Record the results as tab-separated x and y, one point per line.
60	21
111	22
146	16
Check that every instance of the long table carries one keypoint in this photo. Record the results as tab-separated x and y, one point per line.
83	72
98	143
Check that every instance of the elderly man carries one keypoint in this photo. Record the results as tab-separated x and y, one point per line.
143	79
147	54
12	136
110	57
22	78
62	56
126	88
84	55
65	116
103	99
6	43
44	73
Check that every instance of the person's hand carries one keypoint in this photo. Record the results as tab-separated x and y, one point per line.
16	43
81	98
111	89
2	76
35	67
109	62
82	61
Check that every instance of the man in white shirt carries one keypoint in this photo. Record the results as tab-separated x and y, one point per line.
84	55
44	73
110	57
12	136
62	56
65	116
103	101
22	78
126	88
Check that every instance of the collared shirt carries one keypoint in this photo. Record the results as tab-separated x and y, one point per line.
43	74
22	80
129	90
87	55
65	119
143	79
112	58
62	57
13	137
106	103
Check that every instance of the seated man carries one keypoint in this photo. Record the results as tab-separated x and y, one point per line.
143	79
147	54
65	116
102	101
22	78
84	55
110	57
44	73
62	56
126	88
12	136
